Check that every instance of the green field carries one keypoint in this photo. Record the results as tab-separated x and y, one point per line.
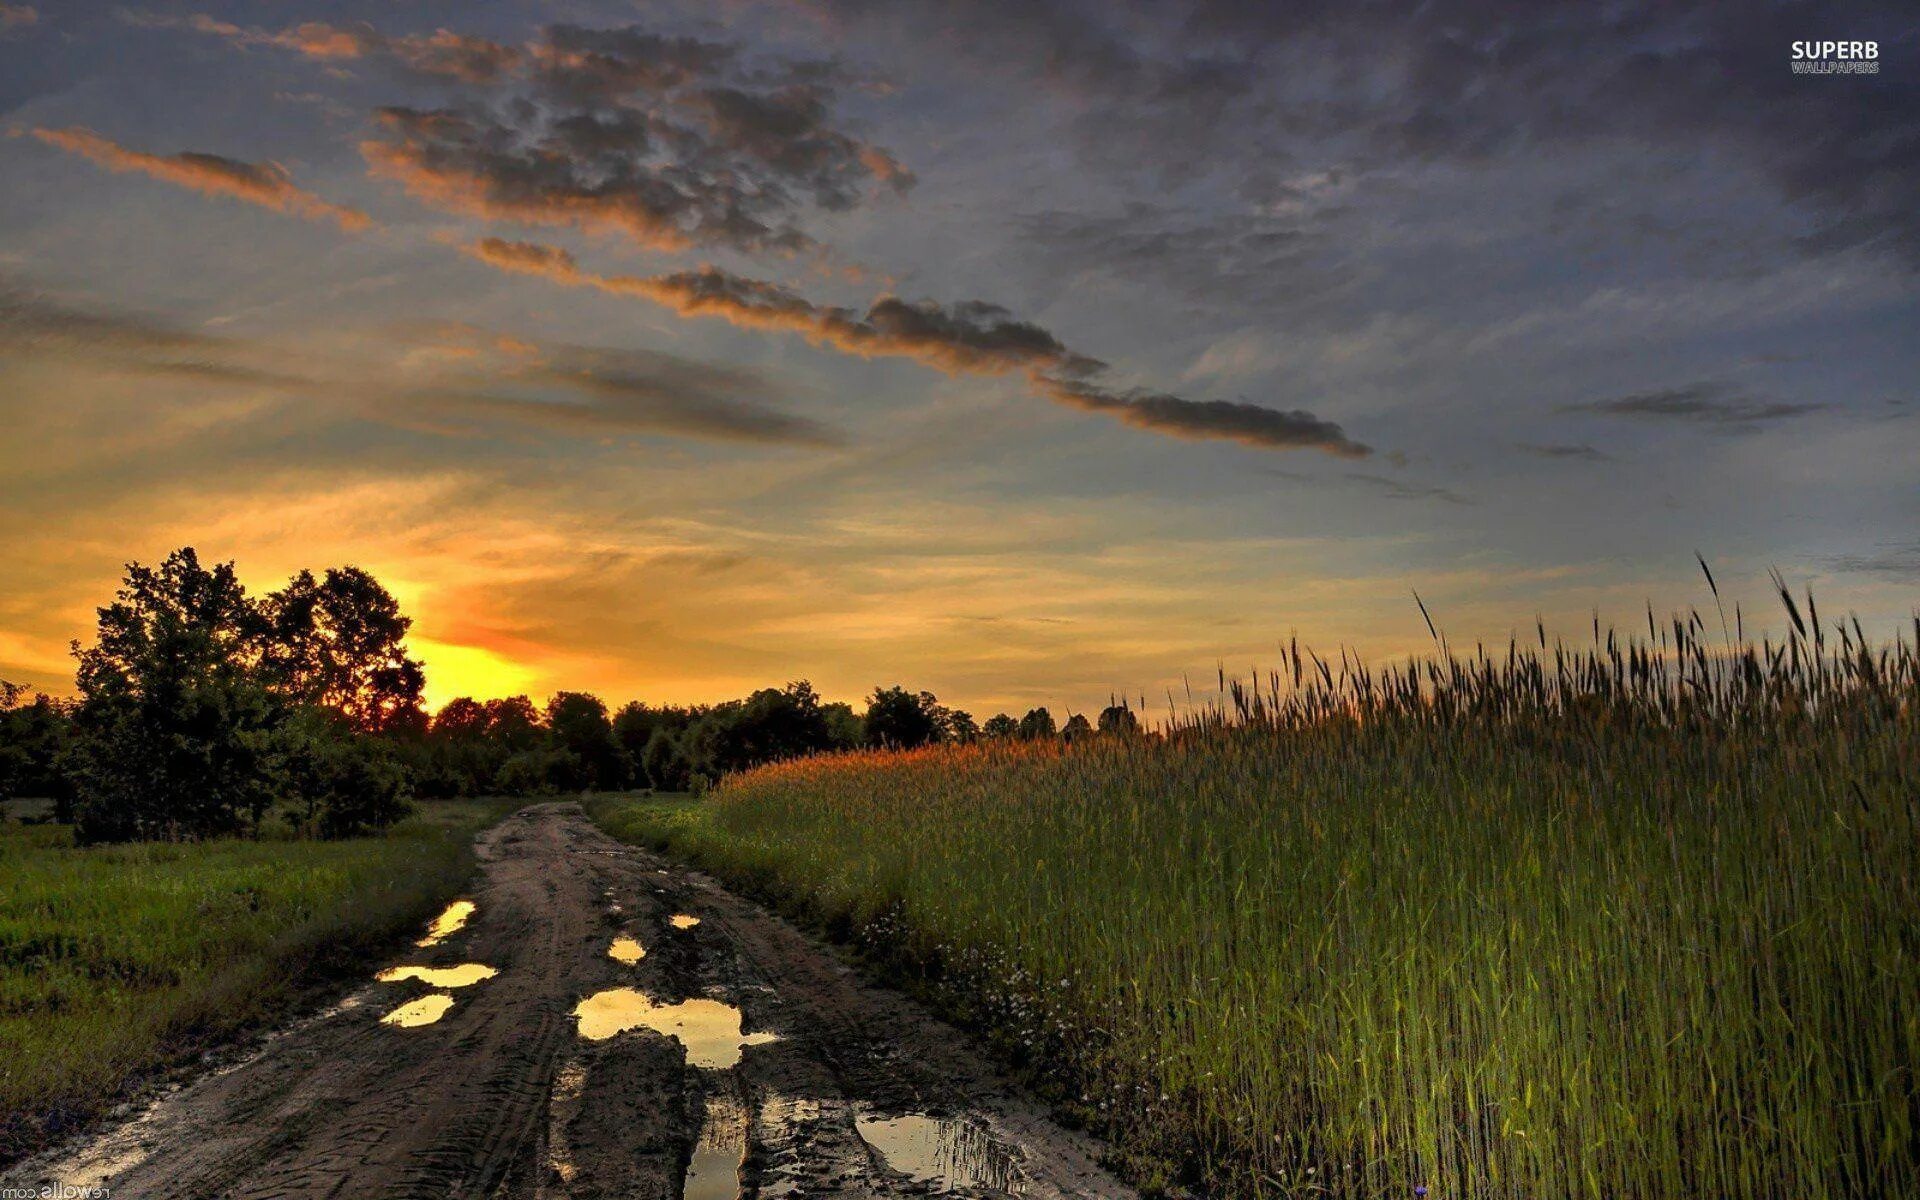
1639	921
119	960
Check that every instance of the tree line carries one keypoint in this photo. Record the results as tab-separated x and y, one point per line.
203	711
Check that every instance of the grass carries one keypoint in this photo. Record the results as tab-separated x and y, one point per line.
1637	919
118	961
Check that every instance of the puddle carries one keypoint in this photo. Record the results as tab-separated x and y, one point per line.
682	921
447	923
626	950
713	1173
707	1029
441	977
424	1011
937	1150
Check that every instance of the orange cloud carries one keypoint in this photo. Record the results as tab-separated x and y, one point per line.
265	184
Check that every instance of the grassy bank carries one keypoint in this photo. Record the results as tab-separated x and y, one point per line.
1638	921
118	960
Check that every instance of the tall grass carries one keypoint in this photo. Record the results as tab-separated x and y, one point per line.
116	960
1633	919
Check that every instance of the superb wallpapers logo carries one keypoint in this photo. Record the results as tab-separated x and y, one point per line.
1836	58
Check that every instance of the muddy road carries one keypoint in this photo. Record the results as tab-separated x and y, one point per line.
598	1021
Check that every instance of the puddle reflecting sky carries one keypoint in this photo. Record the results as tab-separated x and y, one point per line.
713	1173
937	1150
708	1030
682	921
445	977
447	923
424	1011
626	950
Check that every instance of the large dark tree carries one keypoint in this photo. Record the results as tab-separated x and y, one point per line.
899	719
200	709
174	729
580	729
339	642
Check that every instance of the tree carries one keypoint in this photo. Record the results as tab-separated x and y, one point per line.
340	643
899	720
34	735
173	730
1000	725
514	723
1119	720
1077	728
665	760
578	725
1037	725
633	728
342	783
960	726
845	729
769	725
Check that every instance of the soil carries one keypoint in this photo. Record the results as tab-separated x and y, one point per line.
502	1096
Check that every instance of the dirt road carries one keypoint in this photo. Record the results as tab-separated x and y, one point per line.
645	1033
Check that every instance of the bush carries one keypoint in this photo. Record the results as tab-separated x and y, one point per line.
341	783
189	764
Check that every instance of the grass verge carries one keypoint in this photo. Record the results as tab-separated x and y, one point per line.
117	962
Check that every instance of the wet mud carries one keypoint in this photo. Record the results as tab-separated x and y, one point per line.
573	1029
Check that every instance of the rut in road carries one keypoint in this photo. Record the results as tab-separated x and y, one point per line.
644	1033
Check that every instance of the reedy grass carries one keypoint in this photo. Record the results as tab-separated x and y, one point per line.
116	961
1636	919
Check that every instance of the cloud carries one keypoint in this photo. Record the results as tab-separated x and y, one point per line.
431	375
672	141
1570	451
1706	403
582	390
32	324
968	338
1895	562
265	184
1248	424
442	53
17	16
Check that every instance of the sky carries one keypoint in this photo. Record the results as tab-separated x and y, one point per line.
1024	351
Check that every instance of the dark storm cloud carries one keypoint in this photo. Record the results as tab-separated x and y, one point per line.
1707	403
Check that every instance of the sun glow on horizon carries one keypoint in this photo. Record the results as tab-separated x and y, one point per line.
454	671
